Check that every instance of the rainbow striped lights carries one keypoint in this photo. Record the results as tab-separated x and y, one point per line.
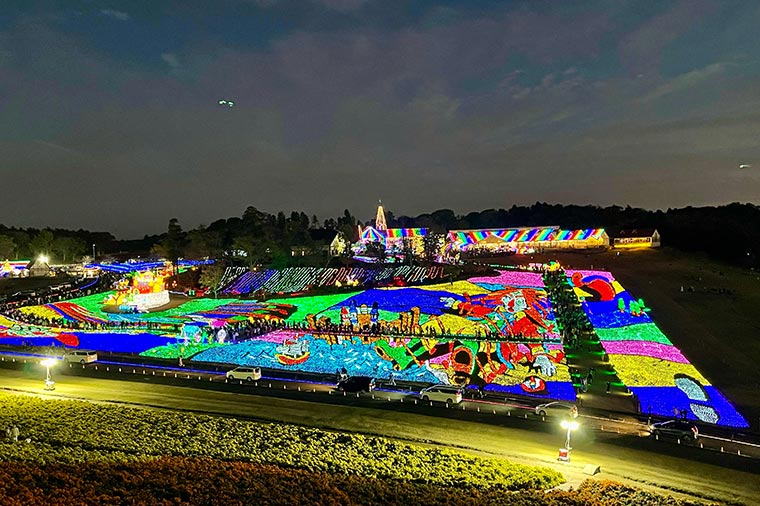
371	234
524	236
580	235
402	233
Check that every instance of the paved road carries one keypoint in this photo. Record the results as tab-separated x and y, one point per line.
602	421
623	457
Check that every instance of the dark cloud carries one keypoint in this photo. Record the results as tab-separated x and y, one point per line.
111	13
467	110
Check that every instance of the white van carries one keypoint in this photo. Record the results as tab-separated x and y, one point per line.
450	394
80	356
244	373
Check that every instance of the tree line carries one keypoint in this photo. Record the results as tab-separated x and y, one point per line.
730	233
59	245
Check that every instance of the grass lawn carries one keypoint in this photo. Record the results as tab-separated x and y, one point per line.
626	458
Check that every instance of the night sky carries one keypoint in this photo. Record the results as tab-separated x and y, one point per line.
109	114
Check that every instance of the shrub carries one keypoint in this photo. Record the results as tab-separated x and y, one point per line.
201	481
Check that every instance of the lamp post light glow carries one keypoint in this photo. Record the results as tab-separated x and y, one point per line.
48	363
570	426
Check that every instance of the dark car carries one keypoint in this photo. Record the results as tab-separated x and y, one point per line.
675	428
357	384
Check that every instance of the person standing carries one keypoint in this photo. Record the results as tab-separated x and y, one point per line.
14	433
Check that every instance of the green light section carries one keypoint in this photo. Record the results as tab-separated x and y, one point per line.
315	304
639	332
93	303
172	351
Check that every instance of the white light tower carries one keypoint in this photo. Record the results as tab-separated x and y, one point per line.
48	363
570	425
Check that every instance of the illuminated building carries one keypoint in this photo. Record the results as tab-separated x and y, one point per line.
527	239
14	268
638	238
392	238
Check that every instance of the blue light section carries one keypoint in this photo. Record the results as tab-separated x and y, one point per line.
127	267
663	400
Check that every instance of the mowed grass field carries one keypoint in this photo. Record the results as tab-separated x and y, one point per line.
716	326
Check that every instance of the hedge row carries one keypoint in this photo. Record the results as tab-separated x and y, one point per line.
74	432
202	481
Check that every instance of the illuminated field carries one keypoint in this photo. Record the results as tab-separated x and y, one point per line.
503	305
496	333
644	358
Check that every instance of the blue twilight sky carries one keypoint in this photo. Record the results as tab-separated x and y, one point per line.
109	115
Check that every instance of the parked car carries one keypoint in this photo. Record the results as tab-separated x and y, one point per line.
675	428
80	356
557	408
357	384
244	374
451	394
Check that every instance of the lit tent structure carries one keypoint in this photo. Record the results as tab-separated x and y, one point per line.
528	238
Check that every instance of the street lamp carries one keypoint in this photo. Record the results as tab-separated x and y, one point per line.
48	363
93	253
570	425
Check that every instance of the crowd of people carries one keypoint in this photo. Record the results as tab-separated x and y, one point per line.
61	322
236	331
571	319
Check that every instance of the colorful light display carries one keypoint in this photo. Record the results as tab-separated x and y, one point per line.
435	329
579	235
466	238
503	305
435	360
527	237
144	291
13	267
401	233
644	358
370	234
127	267
298	279
392	236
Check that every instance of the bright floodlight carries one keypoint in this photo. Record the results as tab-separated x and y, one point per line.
569	424
43	258
49	362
